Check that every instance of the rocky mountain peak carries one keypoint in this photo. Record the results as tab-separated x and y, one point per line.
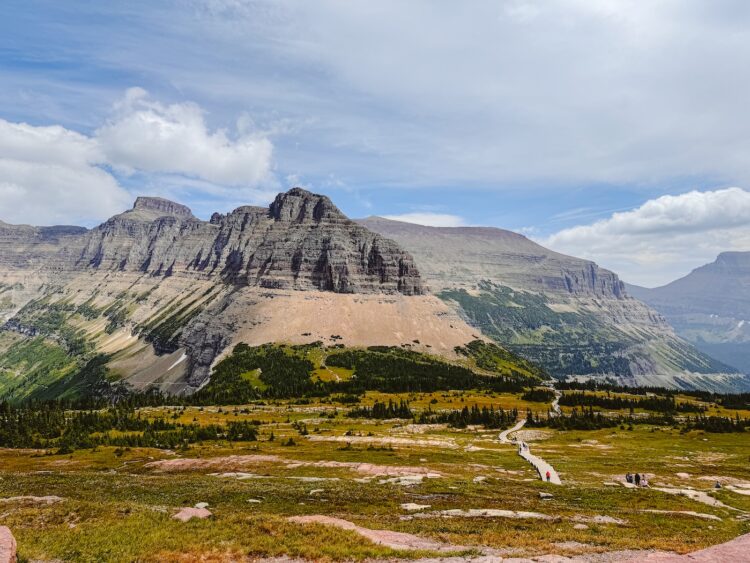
301	242
733	262
161	205
300	206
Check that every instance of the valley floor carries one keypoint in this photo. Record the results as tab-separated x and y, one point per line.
318	485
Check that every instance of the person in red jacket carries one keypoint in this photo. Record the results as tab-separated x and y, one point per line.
549	475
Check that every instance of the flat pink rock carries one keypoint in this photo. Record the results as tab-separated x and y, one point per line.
394	540
189	513
7	546
735	550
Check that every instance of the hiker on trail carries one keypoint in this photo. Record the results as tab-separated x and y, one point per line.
629	477
637	479
644	481
549	476
717	485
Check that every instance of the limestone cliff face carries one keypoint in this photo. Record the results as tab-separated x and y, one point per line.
23	246
163	293
301	242
452	257
305	242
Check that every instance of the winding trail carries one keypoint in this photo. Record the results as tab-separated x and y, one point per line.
539	464
556	404
504	434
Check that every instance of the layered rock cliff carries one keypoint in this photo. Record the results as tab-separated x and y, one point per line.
301	242
161	293
451	257
567	314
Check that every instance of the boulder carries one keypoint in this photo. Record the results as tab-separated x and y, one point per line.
189	513
7	546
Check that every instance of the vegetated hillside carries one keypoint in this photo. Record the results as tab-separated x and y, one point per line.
710	307
283	371
565	313
155	295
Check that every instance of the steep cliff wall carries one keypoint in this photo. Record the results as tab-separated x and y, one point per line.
301	242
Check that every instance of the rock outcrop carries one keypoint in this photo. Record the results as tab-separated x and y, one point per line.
187	514
301	242
159	207
7	546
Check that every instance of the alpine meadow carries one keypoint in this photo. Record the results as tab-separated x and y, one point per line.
289	282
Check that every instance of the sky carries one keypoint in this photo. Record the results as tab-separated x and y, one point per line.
614	130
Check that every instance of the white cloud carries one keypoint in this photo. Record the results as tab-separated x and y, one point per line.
550	92
152	137
50	174
538	93
429	219
665	237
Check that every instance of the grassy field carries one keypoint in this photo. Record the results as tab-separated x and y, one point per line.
117	503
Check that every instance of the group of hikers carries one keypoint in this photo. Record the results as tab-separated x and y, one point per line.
638	480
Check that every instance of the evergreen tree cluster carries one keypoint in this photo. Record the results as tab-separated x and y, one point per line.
717	424
489	417
51	425
738	401
283	374
383	411
392	371
539	395
588	419
666	404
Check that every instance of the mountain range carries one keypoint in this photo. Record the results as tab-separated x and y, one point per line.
154	296
565	313
710	307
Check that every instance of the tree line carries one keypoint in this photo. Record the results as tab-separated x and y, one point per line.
383	411
489	417
666	404
737	401
588	419
51	425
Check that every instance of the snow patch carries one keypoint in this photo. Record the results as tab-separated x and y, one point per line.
181	359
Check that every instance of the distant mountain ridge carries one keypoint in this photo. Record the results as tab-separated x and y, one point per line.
565	313
456	256
710	307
